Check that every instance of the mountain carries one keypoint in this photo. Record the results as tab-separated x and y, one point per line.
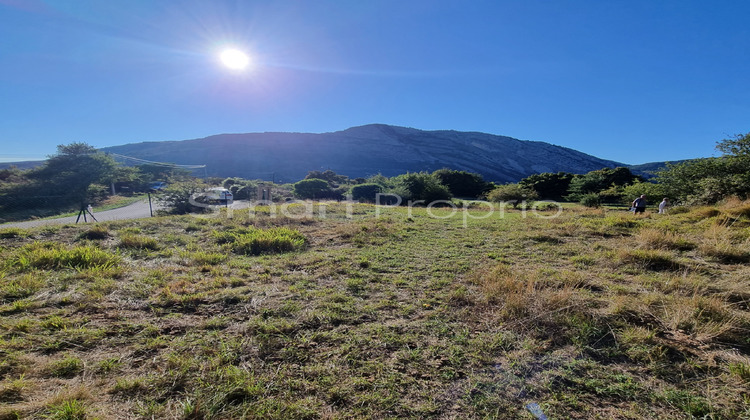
647	170
364	151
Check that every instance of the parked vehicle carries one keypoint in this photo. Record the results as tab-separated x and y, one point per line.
218	195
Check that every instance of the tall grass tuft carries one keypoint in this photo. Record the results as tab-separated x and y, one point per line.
97	232
648	259
54	256
135	241
651	238
253	241
8	233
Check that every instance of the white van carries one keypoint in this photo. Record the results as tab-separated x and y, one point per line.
219	195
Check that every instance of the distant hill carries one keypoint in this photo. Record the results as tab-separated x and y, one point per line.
26	164
364	151
647	170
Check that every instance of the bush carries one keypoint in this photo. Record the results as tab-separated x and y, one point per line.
365	192
513	194
591	200
312	188
462	183
420	186
178	198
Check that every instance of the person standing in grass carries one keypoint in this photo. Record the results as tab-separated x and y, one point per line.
639	205
663	206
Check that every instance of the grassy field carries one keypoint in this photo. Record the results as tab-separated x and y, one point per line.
407	314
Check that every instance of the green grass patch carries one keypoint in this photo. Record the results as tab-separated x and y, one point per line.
50	255
254	241
7	233
136	241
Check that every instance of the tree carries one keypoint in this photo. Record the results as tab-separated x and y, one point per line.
737	146
513	194
549	185
312	188
462	183
73	169
365	192
598	181
178	198
705	181
328	175
709	180
420	186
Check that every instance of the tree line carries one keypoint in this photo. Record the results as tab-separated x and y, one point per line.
79	174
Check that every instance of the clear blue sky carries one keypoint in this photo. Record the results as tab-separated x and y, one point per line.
628	80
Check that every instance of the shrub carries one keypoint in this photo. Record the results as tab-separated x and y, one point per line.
365	192
420	186
462	183
512	193
591	200
312	188
178	198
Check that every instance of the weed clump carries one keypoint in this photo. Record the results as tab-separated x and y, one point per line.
97	232
252	241
8	233
651	238
649	259
138	242
49	255
67	367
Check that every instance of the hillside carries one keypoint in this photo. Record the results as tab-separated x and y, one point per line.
364	151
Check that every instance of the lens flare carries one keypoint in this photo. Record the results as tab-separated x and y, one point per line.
235	59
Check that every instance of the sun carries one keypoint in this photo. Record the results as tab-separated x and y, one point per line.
235	59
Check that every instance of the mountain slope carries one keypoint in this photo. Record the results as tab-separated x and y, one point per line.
366	150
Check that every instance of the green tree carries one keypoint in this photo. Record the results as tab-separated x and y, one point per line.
312	188
365	192
180	198
705	180
328	175
462	183
591	200
513	194
598	181
736	146
653	191
549	185
420	186
73	169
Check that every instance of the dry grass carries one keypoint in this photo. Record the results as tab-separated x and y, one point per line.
595	314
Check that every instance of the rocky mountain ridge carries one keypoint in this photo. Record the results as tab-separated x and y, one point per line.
366	150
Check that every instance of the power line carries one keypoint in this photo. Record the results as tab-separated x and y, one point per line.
171	165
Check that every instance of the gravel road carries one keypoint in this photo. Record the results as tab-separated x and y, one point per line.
137	210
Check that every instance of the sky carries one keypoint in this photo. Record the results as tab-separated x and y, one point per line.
633	81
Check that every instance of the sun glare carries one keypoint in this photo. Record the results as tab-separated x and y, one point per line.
235	59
